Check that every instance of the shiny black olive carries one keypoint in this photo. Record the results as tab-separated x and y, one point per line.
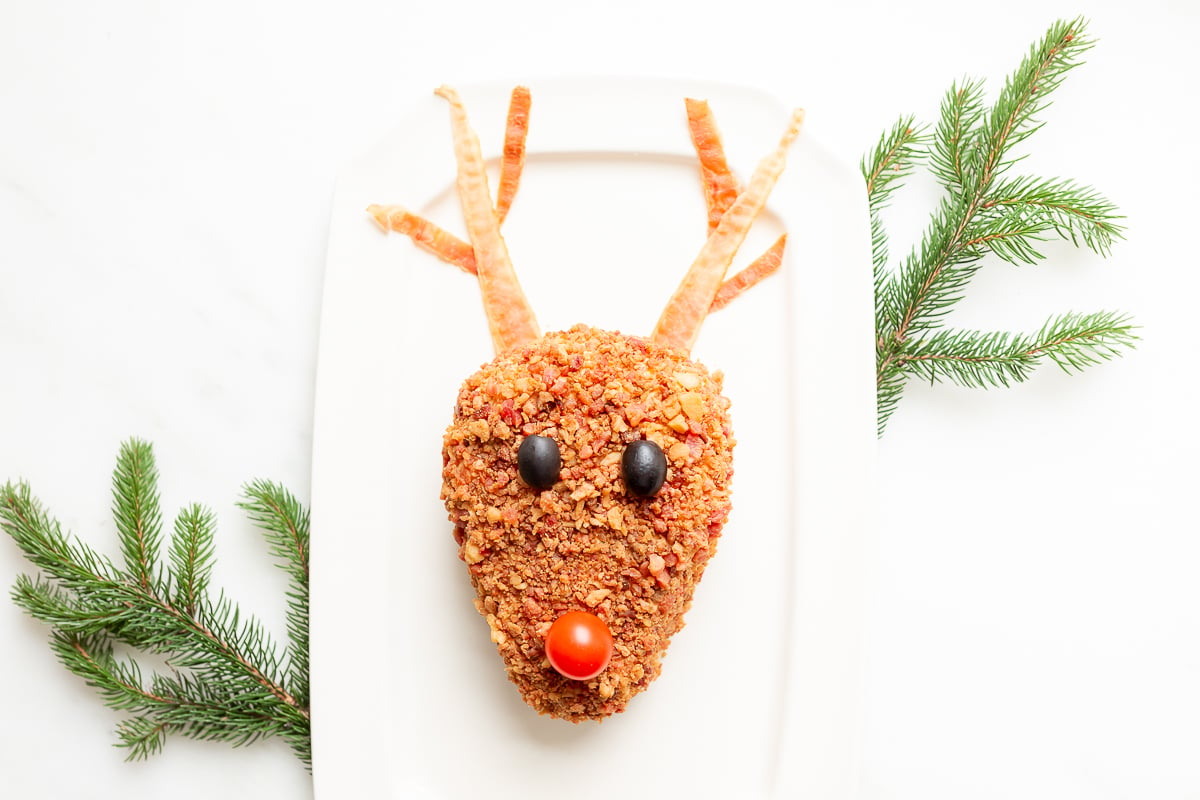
644	468
538	461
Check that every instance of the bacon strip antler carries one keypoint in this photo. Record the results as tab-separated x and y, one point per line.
764	266
510	318
721	188
443	244
426	235
513	163
680	322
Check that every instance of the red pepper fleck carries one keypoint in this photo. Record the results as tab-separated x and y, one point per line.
509	414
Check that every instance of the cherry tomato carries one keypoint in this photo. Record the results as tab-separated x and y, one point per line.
579	645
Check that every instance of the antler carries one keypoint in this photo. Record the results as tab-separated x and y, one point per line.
721	188
443	244
703	291
510	317
680	322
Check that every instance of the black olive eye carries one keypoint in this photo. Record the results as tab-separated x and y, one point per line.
644	468
538	461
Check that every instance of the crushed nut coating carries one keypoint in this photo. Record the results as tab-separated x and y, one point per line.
586	543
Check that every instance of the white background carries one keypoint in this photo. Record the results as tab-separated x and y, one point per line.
165	178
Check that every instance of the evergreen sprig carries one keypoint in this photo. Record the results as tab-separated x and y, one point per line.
984	210
225	680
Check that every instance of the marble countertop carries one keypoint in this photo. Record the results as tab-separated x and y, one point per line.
165	181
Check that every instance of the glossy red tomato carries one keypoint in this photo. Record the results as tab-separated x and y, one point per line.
579	645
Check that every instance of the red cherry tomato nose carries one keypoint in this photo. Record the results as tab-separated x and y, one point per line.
579	645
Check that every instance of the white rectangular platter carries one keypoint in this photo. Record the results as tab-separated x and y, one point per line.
759	695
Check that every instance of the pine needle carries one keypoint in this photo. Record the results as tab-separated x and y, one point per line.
983	359
984	212
285	523
226	680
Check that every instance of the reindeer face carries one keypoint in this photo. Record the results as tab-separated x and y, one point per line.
589	541
587	474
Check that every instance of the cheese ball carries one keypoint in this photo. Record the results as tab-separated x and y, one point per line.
589	538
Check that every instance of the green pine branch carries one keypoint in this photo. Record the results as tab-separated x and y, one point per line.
953	141
884	169
984	211
226	680
1063	208
135	510
192	556
285	523
983	359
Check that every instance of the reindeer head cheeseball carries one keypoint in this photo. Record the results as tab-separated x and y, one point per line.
587	473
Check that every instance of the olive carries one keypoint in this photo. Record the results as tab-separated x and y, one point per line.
538	461
644	468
